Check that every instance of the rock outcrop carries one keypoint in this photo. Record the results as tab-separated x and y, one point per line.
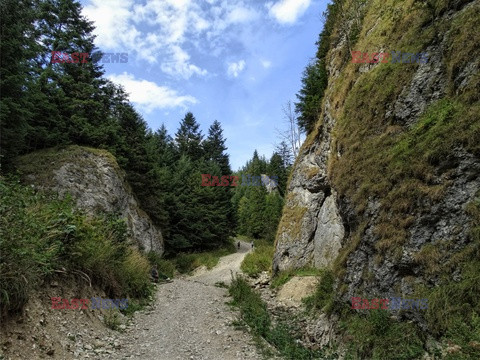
380	192
96	183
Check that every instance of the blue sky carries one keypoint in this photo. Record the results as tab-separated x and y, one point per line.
235	61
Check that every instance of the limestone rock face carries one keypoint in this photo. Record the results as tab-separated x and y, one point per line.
97	185
329	234
323	225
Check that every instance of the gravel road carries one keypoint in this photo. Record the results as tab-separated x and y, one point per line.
190	320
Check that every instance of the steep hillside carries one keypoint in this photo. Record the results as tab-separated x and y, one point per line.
97	185
385	193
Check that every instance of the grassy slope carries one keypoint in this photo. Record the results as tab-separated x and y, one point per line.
41	236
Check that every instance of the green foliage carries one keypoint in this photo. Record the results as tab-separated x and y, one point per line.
260	259
467	336
377	336
111	319
187	262
314	83
252	309
283	277
17	48
255	314
40	235
257	211
189	138
323	298
315	75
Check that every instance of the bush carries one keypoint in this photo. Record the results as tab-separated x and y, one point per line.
322	299
40	234
377	336
255	314
186	263
284	276
260	259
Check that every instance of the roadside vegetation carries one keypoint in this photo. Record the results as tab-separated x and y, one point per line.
254	313
284	276
42	237
259	260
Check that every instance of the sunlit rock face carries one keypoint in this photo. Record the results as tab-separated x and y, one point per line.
97	185
379	227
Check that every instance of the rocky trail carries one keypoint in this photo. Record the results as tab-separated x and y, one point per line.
189	320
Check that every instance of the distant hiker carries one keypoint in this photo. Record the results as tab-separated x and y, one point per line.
252	244
238	245
155	273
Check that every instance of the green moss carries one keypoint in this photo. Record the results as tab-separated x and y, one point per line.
43	163
399	168
291	221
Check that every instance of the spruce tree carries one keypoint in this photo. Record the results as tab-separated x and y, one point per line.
18	49
276	168
189	137
215	148
73	89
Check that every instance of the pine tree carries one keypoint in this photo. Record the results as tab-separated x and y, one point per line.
189	138
310	96
272	214
276	167
17	50
71	110
285	153
215	148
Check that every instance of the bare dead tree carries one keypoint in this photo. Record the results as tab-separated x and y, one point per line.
293	134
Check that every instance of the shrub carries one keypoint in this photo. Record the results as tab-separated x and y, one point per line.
40	234
186	263
377	336
260	259
254	313
322	299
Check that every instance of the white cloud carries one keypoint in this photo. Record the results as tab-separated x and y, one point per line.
241	14
167	33
179	64
149	96
288	11
111	21
266	63
235	68
155	32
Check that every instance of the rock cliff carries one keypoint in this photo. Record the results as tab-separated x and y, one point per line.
384	188
96	183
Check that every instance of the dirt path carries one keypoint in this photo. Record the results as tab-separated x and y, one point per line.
190	320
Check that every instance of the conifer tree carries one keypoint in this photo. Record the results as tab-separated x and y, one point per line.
18	50
189	137
215	148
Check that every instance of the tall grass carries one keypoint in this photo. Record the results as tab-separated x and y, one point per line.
41	236
255	314
260	259
187	262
